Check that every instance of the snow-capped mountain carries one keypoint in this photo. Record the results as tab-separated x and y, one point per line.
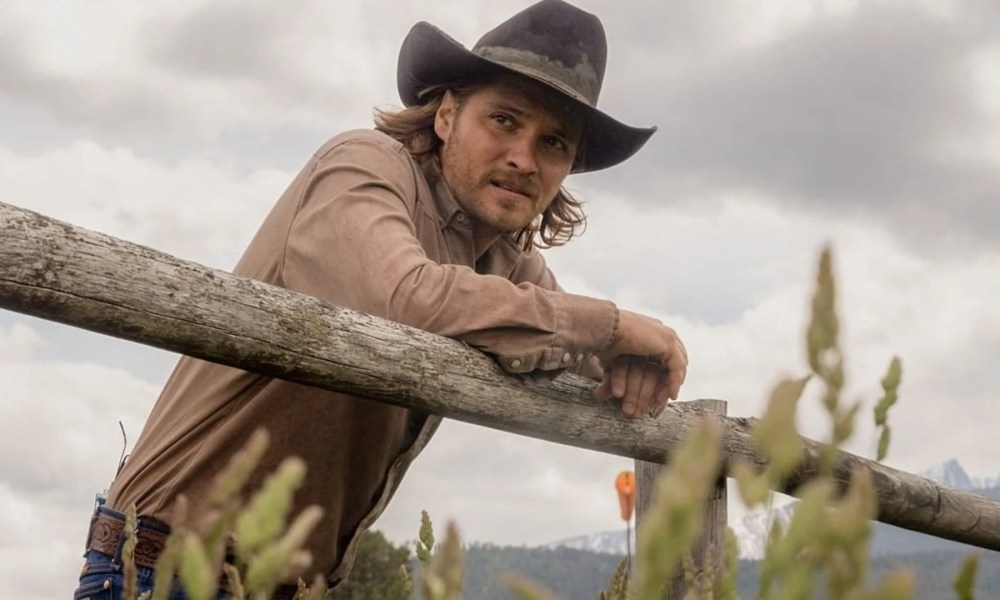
751	535
951	474
606	542
985	483
751	531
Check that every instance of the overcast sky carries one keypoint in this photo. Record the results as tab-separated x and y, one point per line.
783	125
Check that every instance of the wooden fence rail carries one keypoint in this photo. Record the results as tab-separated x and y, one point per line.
61	272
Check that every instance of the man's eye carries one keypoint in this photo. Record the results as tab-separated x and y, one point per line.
555	143
503	119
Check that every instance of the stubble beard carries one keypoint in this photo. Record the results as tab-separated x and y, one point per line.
469	190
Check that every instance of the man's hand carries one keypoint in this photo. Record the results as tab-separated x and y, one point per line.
641	385
644	366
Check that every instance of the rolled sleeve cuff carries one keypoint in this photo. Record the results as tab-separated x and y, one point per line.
585	326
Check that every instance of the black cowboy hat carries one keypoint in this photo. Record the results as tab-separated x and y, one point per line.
552	42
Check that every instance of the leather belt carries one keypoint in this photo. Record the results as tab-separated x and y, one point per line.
105	537
106	532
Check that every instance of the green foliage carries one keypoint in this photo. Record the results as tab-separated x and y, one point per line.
576	574
568	572
890	385
196	569
827	536
442	579
618	587
129	574
425	540
826	360
268	549
823	333
674	520
728	580
280	559
776	437
966	577
169	560
267	514
524	589
380	572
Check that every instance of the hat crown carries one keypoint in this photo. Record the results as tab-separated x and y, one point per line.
555	42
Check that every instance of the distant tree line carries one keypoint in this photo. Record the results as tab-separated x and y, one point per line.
581	574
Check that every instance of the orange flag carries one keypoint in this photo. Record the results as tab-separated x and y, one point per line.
625	484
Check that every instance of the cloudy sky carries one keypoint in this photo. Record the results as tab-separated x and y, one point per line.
784	124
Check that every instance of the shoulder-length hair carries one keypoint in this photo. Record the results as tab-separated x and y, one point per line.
414	128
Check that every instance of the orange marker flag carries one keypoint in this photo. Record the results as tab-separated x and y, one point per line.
625	484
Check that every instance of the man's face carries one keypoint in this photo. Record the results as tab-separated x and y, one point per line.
506	151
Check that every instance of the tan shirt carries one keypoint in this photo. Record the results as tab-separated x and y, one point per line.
359	227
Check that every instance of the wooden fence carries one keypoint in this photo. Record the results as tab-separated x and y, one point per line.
57	271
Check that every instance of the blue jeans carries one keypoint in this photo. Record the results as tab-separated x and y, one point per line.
102	577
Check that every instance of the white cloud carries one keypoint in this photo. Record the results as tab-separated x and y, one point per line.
197	209
17	343
506	489
42	549
207	72
62	446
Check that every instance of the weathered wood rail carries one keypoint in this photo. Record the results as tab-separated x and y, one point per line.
61	272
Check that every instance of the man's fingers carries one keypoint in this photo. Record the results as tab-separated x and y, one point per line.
634	386
624	378
650	385
661	393
677	358
619	378
677	365
676	378
602	392
642	383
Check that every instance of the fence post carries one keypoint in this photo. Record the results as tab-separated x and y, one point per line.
708	553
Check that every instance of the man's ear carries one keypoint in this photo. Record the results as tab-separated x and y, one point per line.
444	118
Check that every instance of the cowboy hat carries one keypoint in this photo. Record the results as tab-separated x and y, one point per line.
552	42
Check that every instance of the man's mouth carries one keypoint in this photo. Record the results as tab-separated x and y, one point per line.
510	187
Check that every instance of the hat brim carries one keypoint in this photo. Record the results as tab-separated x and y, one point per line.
430	57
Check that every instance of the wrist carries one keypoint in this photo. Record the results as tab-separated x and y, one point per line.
607	351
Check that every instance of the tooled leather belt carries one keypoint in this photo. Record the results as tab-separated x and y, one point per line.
106	533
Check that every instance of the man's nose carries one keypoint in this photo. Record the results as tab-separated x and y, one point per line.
521	154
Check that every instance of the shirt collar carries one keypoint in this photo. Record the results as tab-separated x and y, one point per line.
448	209
500	258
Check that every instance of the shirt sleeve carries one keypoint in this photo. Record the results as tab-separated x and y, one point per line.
353	242
533	269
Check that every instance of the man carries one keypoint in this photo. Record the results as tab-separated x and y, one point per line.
432	220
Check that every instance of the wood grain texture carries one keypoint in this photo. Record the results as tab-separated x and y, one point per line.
57	271
708	552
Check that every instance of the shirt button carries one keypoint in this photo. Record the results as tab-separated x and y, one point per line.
515	363
567	358
579	357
